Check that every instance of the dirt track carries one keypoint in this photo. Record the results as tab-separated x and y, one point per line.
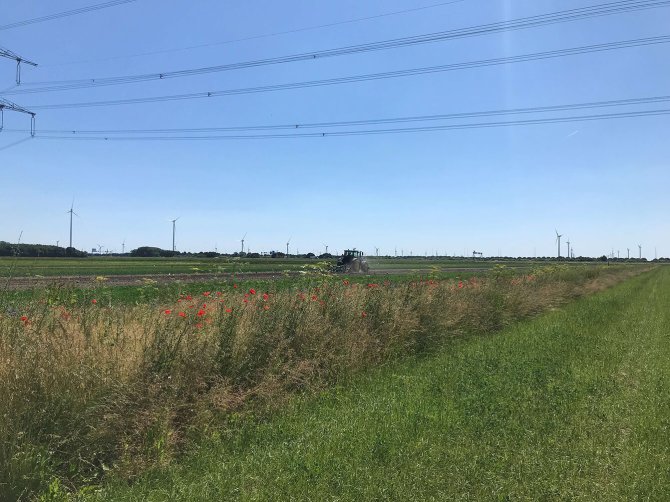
88	281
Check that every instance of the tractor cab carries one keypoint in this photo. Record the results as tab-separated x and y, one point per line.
352	261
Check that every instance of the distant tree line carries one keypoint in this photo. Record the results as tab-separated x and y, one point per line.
39	250
50	251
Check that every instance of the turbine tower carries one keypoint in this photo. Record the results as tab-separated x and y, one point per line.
628	249
287	243
567	241
640	250
123	247
326	248
558	240
242	241
174	227
71	211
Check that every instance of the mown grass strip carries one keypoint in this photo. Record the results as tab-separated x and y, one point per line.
571	405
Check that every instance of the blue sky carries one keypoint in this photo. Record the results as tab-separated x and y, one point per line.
501	190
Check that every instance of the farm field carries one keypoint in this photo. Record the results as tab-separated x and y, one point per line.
104	266
570	405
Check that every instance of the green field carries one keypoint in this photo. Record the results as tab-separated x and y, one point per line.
94	266
104	265
572	405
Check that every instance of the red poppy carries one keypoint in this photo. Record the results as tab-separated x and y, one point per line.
182	314
345	282
189	297
266	296
364	314
235	286
252	291
168	312
266	307
199	325
24	318
207	293
314	297
460	284
94	301
229	310
201	313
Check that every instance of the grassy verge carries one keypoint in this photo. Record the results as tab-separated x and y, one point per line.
573	405
90	387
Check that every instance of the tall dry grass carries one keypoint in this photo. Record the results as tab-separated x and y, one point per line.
86	388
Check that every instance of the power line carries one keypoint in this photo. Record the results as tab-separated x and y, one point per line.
8	105
522	23
256	37
481	125
372	76
15	143
67	13
378	121
6	53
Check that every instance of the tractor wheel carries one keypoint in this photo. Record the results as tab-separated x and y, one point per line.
355	266
365	268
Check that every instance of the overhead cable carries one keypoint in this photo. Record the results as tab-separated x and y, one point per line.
445	127
371	76
66	13
522	23
365	122
256	37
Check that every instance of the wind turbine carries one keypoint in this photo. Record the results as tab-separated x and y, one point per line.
628	250
640	250
558	239
99	248
123	246
71	211
377	251
568	243
174	226
287	243
326	248
242	241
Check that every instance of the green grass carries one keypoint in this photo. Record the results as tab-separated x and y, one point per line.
573	405
149	292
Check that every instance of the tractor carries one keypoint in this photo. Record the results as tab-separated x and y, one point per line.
352	262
